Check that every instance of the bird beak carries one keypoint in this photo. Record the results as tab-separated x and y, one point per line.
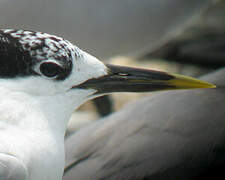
127	79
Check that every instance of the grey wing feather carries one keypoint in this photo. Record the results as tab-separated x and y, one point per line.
173	135
11	168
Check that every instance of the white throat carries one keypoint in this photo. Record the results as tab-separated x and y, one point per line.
40	112
36	125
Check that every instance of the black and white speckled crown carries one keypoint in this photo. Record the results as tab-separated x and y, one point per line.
22	50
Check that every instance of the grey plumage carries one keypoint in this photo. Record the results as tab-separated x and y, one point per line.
171	135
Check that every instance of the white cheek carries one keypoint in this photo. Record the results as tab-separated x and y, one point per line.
35	85
86	67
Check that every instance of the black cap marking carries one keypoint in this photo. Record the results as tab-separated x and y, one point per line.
21	52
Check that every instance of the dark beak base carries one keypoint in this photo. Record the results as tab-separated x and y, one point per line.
127	79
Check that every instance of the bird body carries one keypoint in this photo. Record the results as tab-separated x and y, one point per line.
43	78
166	136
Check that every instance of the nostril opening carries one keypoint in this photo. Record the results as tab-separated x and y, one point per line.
122	74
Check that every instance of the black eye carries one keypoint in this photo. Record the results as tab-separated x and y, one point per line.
50	69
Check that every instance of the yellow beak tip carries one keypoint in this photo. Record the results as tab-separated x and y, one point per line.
206	85
185	82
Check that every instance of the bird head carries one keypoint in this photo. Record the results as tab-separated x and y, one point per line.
42	65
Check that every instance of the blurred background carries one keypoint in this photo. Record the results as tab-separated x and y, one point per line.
181	36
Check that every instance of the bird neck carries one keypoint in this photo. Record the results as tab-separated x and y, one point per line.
49	114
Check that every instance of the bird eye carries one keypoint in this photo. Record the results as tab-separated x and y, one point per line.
50	69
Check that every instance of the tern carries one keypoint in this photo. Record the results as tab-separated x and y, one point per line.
43	78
